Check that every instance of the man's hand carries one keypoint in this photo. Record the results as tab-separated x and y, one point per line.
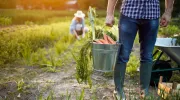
110	20
110	12
165	19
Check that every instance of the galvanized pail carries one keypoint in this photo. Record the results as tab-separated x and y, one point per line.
104	56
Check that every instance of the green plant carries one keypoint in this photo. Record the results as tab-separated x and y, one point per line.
29	23
175	96
175	78
132	65
4	21
46	60
83	60
169	31
61	46
50	96
20	85
26	54
51	69
68	96
94	91
83	69
92	15
40	97
81	97
22	45
108	74
163	57
39	57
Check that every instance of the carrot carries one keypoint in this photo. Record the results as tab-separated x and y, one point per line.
105	37
103	41
110	40
99	42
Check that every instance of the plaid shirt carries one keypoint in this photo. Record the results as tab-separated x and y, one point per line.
141	9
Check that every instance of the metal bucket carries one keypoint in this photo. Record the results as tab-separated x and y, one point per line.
104	56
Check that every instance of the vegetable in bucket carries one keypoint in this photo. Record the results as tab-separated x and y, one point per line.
84	60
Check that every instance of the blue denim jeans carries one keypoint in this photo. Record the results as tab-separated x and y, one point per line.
147	30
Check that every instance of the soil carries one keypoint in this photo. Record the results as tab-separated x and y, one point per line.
63	84
32	83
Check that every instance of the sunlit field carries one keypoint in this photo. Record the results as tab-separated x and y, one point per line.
36	58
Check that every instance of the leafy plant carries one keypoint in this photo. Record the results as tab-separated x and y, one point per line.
81	97
26	54
21	45
4	21
132	65
40	97
50	96
20	85
169	31
83	60
61	46
99	31
92	15
83	69
68	96
29	23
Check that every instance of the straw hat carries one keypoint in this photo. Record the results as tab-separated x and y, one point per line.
79	14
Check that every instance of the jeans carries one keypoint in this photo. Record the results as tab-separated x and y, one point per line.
147	30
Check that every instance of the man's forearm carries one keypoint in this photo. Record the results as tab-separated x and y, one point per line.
169	6
111	7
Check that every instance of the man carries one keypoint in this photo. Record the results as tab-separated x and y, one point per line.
142	16
77	26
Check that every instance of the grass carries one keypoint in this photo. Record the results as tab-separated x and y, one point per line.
32	46
132	65
20	85
23	43
169	31
38	16
45	45
25	47
4	21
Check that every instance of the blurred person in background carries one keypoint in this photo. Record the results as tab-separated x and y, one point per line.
77	26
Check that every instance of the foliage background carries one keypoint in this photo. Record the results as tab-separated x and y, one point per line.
61	4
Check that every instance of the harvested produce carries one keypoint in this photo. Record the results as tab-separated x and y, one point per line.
98	42
106	40
83	60
83	69
111	41
105	37
103	41
99	33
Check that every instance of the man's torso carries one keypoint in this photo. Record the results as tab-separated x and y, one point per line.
141	9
